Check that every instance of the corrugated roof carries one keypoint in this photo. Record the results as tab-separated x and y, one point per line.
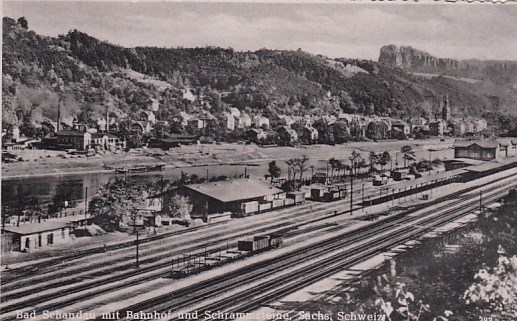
240	189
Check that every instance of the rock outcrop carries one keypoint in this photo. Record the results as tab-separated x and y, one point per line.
414	60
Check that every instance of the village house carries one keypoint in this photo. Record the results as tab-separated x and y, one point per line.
142	127
256	134
437	127
230	121
400	129
196	124
149	117
378	129
288	120
417	122
244	121
235	112
106	141
287	134
329	119
311	132
480	124
458	127
260	121
469	127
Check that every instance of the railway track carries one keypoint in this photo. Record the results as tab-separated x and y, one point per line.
159	267
244	277
271	291
103	276
79	289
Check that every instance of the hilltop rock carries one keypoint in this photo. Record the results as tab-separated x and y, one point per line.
414	60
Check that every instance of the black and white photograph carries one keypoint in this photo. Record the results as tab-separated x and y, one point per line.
269	160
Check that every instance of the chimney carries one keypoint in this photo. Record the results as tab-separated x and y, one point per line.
58	113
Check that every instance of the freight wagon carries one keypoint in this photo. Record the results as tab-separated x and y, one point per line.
329	193
298	197
250	208
260	243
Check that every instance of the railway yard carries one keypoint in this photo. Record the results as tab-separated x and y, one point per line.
211	273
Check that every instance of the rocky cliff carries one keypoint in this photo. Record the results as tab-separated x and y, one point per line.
414	60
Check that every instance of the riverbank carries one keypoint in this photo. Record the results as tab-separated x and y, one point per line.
45	163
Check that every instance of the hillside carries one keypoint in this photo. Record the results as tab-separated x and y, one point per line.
90	75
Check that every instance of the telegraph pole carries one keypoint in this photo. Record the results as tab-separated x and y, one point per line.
352	186
481	201
85	202
137	249
362	196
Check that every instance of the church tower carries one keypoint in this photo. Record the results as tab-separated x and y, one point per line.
446	111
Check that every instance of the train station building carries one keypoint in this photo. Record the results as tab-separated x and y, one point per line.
479	149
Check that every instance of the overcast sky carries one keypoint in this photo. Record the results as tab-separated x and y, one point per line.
353	30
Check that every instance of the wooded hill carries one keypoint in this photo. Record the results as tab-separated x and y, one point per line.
91	75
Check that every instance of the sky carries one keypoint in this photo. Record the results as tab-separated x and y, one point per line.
334	29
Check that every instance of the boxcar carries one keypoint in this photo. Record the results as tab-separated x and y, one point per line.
260	243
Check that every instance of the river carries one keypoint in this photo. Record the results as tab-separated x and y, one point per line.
44	188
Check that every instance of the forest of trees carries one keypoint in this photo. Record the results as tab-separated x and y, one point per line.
90	76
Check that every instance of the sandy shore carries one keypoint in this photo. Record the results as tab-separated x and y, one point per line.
41	163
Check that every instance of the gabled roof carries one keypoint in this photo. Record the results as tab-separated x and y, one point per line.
235	190
480	143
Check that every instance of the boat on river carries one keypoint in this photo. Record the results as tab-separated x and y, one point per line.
139	169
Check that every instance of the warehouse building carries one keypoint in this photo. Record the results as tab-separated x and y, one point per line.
30	236
236	196
37	235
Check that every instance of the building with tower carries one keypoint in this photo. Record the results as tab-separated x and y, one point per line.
446	110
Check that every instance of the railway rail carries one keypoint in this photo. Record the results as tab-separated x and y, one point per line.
260	270
78	289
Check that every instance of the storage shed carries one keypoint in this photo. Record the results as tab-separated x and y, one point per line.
234	195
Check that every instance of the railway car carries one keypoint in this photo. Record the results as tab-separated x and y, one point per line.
298	197
288	202
329	193
400	174
249	208
278	203
379	180
265	207
260	243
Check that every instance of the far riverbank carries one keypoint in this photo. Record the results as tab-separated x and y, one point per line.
46	163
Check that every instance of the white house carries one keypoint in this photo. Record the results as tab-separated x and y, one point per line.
230	121
260	121
244	121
